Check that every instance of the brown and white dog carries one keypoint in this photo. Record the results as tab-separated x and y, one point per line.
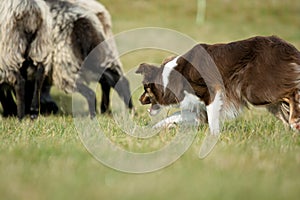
221	79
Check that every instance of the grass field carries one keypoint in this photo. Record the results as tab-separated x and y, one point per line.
256	157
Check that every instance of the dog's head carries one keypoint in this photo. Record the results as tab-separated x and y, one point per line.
152	87
155	92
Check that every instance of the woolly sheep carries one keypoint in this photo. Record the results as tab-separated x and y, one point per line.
115	70
76	32
112	74
24	38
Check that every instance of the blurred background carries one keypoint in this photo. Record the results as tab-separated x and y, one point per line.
224	20
257	158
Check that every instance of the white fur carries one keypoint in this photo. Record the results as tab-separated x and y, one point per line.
192	103
177	118
191	106
154	111
231	110
213	114
167	71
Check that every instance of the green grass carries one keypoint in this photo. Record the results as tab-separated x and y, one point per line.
256	157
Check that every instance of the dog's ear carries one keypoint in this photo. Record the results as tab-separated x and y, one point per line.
145	69
149	72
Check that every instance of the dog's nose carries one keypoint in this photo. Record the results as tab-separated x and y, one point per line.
295	126
295	123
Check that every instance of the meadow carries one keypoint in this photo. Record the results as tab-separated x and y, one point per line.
255	158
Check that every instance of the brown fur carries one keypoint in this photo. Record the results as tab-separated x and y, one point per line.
258	70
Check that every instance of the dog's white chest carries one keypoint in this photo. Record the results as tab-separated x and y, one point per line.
192	103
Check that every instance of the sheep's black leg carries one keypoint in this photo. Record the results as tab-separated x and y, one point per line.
39	79
90	97
48	105
120	84
29	88
123	90
7	101
105	86
20	95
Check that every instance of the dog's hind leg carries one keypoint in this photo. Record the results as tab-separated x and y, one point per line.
281	111
90	97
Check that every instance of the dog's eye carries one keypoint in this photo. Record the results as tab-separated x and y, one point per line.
146	85
147	88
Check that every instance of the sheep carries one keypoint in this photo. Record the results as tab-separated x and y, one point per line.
100	11
76	32
114	70
112	75
24	39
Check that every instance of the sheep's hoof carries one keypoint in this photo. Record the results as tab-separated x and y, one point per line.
93	115
21	116
20	119
34	114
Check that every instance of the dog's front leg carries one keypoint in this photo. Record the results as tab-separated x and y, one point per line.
214	117
213	114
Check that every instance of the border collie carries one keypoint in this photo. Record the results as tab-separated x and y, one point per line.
220	79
